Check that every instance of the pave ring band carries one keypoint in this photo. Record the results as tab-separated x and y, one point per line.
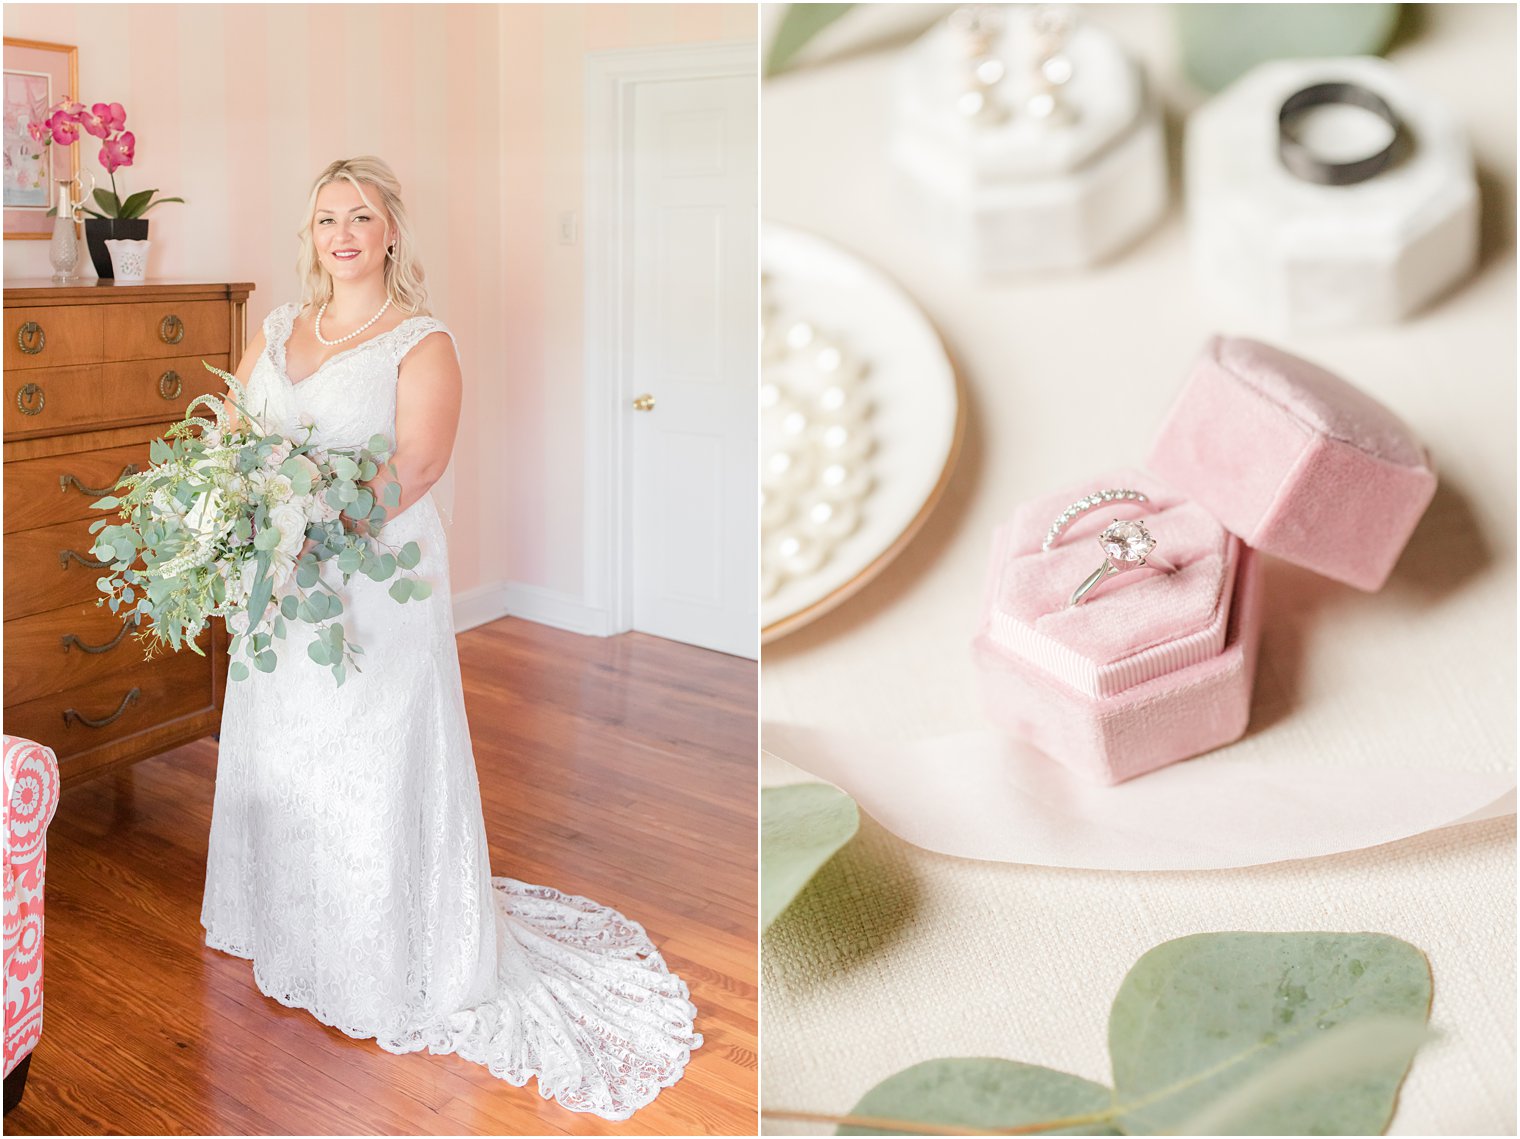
1126	546
1082	506
1302	163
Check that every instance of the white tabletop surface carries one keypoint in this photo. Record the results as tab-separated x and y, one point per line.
897	955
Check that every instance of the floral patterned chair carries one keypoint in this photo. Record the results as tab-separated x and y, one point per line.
31	792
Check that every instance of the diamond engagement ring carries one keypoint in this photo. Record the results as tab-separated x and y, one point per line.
1126	546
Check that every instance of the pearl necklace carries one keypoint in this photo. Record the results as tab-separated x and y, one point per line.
317	326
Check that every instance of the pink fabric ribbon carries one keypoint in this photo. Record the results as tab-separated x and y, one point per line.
983	795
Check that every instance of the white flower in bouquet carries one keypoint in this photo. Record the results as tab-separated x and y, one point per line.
203	518
289	518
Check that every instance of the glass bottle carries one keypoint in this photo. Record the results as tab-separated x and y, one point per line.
64	250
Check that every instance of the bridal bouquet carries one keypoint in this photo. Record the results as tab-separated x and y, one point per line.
216	524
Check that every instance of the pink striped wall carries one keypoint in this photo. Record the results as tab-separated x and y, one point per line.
478	108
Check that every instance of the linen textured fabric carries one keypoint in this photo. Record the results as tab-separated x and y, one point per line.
348	856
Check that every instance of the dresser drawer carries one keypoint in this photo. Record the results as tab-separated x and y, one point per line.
60	488
83	718
40	574
166	328
51	336
106	395
73	647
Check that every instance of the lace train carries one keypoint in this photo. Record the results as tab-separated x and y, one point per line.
602	1025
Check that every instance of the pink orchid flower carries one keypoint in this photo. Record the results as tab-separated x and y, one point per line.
94	124
114	115
39	131
118	152
65	130
70	108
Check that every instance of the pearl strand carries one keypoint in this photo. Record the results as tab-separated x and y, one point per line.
317	326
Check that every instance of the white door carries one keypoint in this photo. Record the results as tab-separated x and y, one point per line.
694	503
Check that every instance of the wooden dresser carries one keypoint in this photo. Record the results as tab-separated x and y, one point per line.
93	372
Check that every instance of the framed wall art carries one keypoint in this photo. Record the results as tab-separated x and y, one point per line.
37	75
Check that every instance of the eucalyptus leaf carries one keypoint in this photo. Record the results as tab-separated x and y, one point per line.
378	444
799	25
263	588
984	1095
349	560
401	590
801	828
237	670
410	555
1221	42
345	468
421	590
317	650
1199	1016
265	661
391	496
307	572
289	605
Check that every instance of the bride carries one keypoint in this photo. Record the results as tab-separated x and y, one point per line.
348	857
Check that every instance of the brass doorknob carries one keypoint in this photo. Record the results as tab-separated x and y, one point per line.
644	403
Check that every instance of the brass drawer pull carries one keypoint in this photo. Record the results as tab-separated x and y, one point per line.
92	491
30	338
70	715
171	330
88	563
165	380
127	626
24	396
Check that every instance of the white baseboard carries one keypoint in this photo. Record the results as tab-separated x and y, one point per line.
478	606
550	607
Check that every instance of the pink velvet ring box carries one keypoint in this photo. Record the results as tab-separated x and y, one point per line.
1263	452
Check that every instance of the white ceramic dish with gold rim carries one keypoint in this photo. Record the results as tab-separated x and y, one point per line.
916	415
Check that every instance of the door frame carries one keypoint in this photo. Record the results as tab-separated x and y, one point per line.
612	79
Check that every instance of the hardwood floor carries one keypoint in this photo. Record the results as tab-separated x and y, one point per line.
620	768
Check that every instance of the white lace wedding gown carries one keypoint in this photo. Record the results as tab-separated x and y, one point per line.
348	855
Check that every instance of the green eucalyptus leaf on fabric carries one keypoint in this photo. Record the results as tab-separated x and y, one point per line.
799	25
1221	42
1199	1017
1349	1053
983	1095
801	828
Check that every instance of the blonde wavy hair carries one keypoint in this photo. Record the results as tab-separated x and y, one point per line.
403	271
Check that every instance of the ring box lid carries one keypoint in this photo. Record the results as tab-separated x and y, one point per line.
1295	461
